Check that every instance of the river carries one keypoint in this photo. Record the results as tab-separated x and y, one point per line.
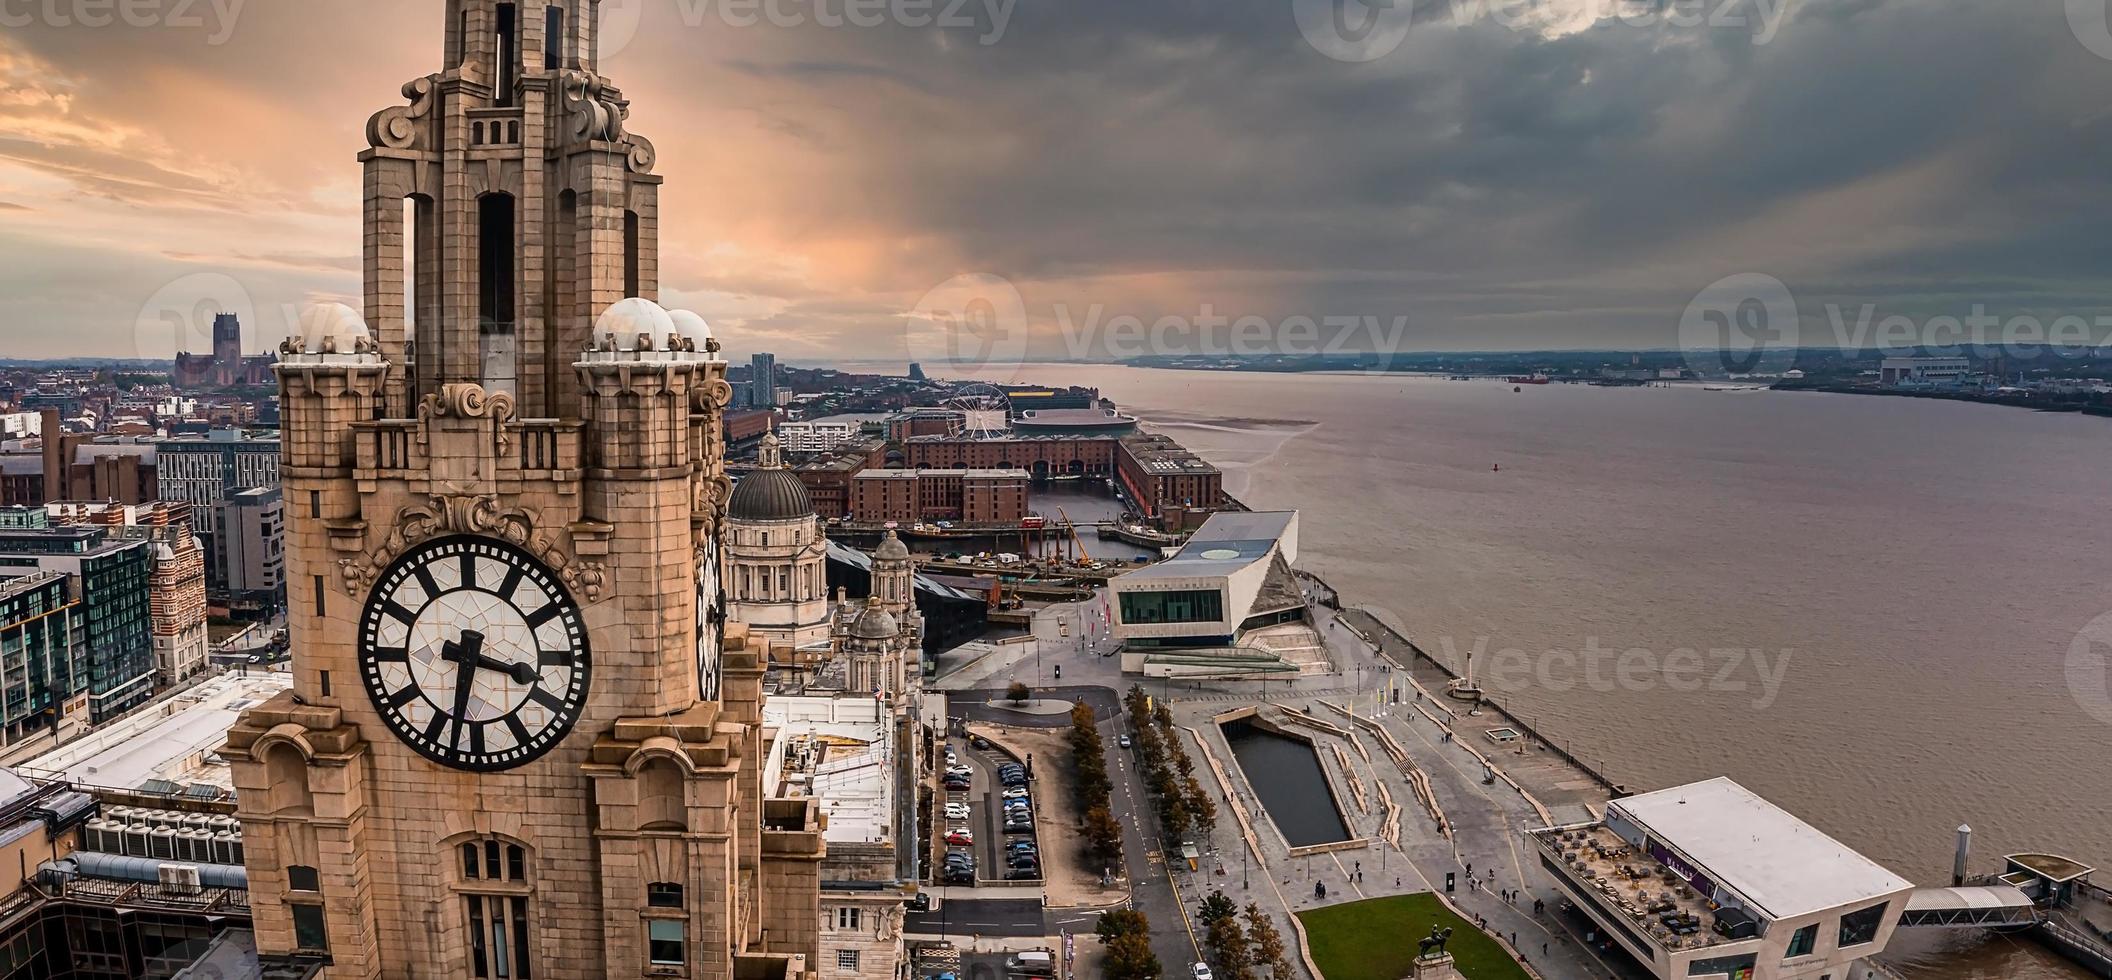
1881	592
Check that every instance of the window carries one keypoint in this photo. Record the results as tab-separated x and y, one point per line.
847	959
1801	941
846	917
630	253
553	35
506	53
1736	966
498	923
1860	927
326	683
664	941
302	878
495	262
663	895
1182	606
308	931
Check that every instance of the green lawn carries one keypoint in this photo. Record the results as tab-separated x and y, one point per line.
1375	939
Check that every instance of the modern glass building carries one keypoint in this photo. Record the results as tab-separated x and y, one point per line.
39	637
107	579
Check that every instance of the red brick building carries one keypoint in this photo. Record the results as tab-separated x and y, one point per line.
1155	472
974	496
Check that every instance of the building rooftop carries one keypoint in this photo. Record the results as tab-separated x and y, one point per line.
175	743
840	751
1228	541
1781	865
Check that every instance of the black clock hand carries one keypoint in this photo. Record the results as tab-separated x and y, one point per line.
466	654
521	672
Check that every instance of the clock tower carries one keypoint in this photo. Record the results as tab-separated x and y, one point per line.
523	742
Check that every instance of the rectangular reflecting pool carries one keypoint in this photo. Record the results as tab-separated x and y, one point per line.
1285	773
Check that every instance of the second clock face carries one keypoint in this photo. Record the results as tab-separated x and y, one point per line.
474	653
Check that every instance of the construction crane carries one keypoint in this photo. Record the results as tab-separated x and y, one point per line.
1083	557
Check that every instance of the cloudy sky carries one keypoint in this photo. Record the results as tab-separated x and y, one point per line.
1497	174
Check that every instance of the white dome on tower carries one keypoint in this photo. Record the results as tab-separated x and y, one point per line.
331	328
691	327
623	325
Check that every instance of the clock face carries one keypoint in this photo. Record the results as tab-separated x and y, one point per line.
711	621
473	653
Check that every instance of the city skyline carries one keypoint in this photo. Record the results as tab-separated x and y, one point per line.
1569	181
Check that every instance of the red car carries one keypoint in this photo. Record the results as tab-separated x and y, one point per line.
960	837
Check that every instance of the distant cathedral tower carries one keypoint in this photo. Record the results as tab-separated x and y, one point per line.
523	740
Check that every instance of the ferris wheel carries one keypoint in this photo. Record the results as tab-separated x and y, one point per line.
980	411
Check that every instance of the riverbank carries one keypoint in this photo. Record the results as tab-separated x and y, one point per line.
2038	403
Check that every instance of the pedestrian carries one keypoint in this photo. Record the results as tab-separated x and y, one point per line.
1470	867
1543	950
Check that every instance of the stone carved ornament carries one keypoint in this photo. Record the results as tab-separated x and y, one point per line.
596	111
478	514
396	128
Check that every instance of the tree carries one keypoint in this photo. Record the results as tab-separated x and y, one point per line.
1018	692
1129	957
1229	942
1116	923
1216	906
1267	943
1103	836
1200	806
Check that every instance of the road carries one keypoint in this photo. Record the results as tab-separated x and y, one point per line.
960	918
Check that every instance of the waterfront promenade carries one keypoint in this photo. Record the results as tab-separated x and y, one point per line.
1487	795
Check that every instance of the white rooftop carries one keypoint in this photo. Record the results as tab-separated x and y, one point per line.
1782	865
169	740
855	778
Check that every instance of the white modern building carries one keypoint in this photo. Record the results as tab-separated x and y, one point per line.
1923	370
1708	880
1195	612
824	434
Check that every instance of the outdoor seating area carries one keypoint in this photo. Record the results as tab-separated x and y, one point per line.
1654	898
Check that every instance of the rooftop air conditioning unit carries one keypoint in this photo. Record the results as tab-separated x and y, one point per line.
181	879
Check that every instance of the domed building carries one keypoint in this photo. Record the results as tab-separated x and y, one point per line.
882	639
776	558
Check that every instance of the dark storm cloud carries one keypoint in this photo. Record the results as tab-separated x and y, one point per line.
1572	183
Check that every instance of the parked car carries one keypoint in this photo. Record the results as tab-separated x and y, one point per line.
959	770
1015	793
1022	874
1013	779
956	811
1024	861
952	759
960	837
959	876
